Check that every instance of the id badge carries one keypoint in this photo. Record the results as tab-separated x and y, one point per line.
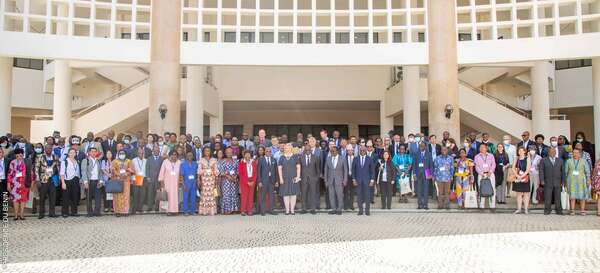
141	173
231	172
442	169
421	165
521	172
122	171
19	174
576	173
191	177
486	165
173	173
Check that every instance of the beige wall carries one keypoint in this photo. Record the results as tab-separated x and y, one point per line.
582	119
21	126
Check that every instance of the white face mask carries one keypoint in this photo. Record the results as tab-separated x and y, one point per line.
532	153
122	156
38	150
161	143
126	141
466	144
554	143
448	144
417	139
506	142
579	139
3	145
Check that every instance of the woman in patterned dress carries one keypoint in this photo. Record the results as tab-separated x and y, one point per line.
207	171
19	191
122	170
229	184
596	184
463	177
578	180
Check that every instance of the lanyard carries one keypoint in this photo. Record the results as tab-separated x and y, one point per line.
93	161
577	164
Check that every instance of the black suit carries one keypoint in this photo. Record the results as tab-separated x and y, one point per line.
551	177
521	144
310	175
110	146
542	150
266	177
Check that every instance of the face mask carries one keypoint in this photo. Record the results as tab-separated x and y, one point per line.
448	144
38	150
466	144
3	145
554	143
417	139
506	142
532	152
161	143
126	141
21	145
122	156
410	139
579	139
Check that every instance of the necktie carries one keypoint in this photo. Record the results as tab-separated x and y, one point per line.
307	159
362	161
269	161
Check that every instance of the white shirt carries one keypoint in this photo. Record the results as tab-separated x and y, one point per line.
334	160
95	165
511	151
69	170
249	169
350	158
140	166
2	174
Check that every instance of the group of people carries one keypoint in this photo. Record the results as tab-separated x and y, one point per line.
180	174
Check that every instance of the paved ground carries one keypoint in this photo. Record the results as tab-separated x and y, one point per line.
384	242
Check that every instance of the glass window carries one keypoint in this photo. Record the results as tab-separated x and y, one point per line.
247	37
229	37
37	64
397	37
304	38
342	38
464	36
285	38
323	38
206	37
421	37
361	37
266	37
375	37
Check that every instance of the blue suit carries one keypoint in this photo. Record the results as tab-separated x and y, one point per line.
421	162
363	173
188	171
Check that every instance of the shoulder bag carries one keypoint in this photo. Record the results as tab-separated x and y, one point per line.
485	187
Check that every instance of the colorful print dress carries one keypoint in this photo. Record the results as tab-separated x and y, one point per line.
229	188
207	171
16	179
577	173
462	179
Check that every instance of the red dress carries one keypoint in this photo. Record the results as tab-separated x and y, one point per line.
16	179
247	190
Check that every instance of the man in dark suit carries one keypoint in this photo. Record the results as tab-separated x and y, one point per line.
395	145
310	175
422	163
110	144
266	178
349	192
551	178
151	184
525	142
434	148
363	177
540	147
197	149
335	171
324	154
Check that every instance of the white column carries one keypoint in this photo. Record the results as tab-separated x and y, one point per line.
596	88
216	122
411	102
386	123
61	114
6	65
194	112
540	99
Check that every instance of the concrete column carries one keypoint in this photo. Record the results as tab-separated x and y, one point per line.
165	70
386	124
540	99
6	65
216	122
411	101
596	88
194	112
352	130
248	127
62	103
443	69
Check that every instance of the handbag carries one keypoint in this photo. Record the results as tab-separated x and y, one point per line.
512	175
470	199
405	185
485	187
540	194
114	186
564	199
452	196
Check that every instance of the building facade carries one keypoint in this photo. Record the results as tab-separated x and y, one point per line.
366	67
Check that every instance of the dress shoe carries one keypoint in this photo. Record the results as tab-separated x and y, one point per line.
65	215
75	215
339	212
313	212
243	214
331	212
41	217
273	213
360	213
263	214
560	213
88	215
303	211
546	213
53	216
426	208
368	213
